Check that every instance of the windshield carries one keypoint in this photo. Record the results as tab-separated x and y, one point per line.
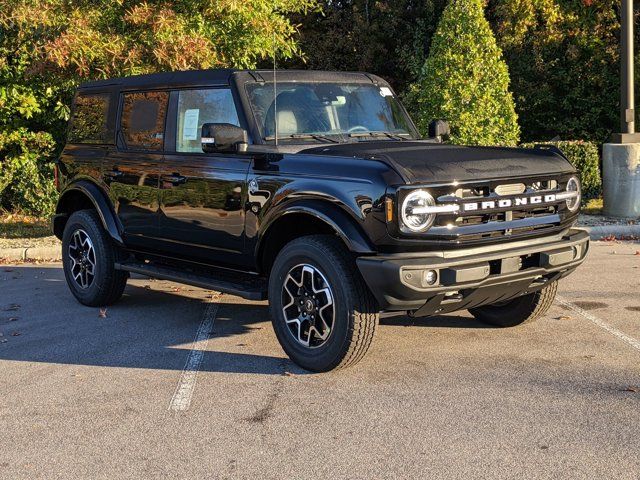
328	111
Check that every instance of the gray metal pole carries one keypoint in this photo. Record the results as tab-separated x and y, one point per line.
627	100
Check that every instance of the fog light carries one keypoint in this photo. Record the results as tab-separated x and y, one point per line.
429	277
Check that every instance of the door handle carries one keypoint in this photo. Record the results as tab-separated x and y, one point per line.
113	174
175	179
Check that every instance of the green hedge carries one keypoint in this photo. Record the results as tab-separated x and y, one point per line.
585	157
26	172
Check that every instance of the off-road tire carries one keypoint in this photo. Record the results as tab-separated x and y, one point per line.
108	283
524	309
356	312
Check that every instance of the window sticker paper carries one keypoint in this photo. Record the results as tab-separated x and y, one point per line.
190	128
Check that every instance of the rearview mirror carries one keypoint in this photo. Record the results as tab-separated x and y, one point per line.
223	137
439	129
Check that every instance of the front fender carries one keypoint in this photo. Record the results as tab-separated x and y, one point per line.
341	222
98	198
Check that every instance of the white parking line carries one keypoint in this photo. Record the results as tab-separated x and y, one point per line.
181	399
600	323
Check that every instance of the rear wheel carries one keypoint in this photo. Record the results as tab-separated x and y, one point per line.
88	258
323	314
524	309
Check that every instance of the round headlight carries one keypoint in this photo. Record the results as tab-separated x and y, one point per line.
573	202
412	219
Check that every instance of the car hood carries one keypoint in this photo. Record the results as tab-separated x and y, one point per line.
424	161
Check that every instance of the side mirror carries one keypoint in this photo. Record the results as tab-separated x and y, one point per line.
223	137
439	129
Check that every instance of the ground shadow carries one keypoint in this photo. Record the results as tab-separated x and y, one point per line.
147	329
438	321
151	327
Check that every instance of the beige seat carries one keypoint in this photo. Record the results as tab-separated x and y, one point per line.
299	111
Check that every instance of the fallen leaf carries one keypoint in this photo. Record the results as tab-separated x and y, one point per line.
637	252
631	388
13	319
103	313
289	374
564	317
176	289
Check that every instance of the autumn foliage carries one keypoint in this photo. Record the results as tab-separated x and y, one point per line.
48	46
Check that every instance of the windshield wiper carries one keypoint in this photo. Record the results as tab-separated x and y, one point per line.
395	136
303	136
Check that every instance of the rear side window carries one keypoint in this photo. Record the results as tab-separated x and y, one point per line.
143	116
197	107
89	121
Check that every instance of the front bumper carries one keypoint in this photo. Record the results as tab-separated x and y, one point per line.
471	277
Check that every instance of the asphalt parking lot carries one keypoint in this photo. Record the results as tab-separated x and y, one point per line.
90	394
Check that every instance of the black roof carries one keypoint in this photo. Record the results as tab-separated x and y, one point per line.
192	78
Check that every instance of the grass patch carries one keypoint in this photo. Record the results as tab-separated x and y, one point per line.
14	225
593	207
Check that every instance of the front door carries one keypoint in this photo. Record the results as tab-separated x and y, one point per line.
202	195
132	170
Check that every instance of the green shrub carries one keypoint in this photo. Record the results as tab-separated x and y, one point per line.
465	80
26	172
585	157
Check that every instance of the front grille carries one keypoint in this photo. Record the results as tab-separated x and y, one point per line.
498	217
498	222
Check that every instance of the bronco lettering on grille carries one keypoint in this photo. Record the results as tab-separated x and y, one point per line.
489	205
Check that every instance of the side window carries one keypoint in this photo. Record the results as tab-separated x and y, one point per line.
89	121
197	107
142	120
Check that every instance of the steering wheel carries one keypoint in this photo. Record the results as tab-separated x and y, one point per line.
358	128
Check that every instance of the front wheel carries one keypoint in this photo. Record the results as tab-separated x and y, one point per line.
323	314
524	309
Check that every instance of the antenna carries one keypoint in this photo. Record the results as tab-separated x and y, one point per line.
275	93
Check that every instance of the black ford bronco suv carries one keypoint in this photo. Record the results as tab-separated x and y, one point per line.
314	190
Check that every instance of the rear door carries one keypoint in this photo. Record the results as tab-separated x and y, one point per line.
202	195
89	137
132	170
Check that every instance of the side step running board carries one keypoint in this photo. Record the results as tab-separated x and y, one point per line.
242	285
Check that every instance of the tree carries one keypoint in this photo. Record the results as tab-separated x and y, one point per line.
465	80
387	37
48	46
563	58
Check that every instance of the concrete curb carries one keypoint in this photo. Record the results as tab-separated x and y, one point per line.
31	253
620	232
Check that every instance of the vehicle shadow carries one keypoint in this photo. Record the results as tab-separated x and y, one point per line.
149	328
442	321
